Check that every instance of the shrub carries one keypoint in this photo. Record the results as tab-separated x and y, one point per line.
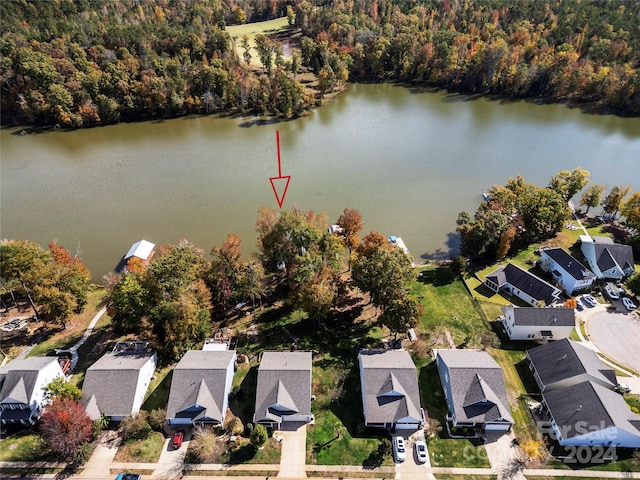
157	419
259	435
135	427
83	454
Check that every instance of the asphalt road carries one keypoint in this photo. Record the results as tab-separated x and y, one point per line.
617	335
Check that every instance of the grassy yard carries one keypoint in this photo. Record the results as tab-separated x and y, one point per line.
446	305
270	27
24	446
448	452
158	392
76	326
147	450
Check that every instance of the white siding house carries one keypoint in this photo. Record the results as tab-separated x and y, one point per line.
591	415
21	388
568	272
607	260
116	384
516	281
529	323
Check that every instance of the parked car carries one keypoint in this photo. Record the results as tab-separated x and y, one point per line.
589	300
178	437
579	305
612	291
623	388
629	305
420	448
128	476
399	450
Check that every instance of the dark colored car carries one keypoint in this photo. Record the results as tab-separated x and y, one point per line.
178	437
128	476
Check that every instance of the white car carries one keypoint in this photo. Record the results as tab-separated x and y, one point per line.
628	304
612	291
623	388
420	448
399	450
579	305
589	300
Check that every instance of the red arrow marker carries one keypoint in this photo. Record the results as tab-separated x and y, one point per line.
279	183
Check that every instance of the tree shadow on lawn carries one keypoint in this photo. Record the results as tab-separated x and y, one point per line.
438	277
242	401
530	385
160	396
431	395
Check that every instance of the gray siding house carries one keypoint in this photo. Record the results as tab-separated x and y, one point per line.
200	388
390	392
474	388
283	392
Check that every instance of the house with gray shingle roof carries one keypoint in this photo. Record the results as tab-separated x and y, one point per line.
565	363
200	387
22	381
531	323
283	391
522	284
607	260
568	272
115	385
390	393
589	414
475	391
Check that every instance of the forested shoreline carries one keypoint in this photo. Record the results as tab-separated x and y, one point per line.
90	62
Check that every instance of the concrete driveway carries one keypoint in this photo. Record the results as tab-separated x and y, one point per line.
617	335
504	456
293	456
410	469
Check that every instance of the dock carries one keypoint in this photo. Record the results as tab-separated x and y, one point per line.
400	244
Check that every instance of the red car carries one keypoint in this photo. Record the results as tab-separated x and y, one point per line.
178	437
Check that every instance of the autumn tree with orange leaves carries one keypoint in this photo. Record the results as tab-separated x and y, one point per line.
65	426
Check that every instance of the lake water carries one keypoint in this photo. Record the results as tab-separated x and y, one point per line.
409	160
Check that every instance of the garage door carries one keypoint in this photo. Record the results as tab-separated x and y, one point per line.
407	426
497	426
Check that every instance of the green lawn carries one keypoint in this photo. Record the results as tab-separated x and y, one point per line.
269	27
147	450
447	452
76	327
446	305
158	392
25	446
